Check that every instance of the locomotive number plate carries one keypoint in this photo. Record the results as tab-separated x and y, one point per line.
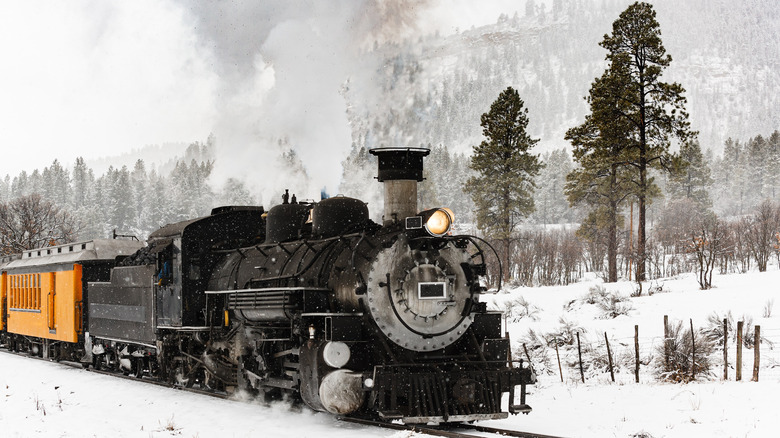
431	290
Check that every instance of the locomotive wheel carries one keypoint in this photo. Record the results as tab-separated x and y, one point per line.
185	372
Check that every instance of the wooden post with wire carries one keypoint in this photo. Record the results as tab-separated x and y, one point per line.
693	353
667	350
579	351
609	356
558	355
739	350
756	353
636	349
725	349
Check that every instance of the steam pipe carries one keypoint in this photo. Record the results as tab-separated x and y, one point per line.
400	169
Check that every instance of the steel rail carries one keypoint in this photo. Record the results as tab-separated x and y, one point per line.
447	431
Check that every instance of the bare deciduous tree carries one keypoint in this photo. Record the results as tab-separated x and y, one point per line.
761	229
707	242
30	222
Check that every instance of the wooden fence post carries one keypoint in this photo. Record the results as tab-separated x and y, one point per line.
558	355
636	349
667	351
528	356
739	350
609	356
756	353
579	351
693	353
725	349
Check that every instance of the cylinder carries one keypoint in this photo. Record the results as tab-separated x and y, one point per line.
341	392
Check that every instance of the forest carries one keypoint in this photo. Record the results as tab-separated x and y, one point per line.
433	90
740	188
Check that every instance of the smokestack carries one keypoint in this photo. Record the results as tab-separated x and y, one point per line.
400	169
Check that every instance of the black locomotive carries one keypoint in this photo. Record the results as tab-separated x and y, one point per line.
316	300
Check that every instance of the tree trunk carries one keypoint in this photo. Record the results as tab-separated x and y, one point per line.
641	240
612	249
612	245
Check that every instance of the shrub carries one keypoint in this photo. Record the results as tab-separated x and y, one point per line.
520	308
714	330
539	353
612	304
682	366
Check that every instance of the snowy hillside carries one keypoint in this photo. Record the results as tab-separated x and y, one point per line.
47	399
435	88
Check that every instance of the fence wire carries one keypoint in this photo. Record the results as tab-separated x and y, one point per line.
595	362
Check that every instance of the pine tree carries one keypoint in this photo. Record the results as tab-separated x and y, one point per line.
56	183
604	178
120	191
693	179
234	192
503	186
159	207
19	186
138	180
655	109
35	183
550	200
181	194
5	189
757	151
732	179
82	184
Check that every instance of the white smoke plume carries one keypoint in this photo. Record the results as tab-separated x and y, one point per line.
284	68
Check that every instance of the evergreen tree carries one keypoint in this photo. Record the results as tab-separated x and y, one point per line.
159	207
655	109
121	197
503	186
138	182
693	179
82	184
234	192
56	183
181	196
757	151
732	179
5	189
19	186
773	166
35	183
550	200
602	146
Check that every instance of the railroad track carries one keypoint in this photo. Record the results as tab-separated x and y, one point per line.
120	375
458	431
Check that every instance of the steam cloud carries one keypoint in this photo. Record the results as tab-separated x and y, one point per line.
285	66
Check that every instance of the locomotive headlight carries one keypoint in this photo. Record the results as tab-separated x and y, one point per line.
438	222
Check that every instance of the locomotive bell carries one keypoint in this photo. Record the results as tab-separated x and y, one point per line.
400	169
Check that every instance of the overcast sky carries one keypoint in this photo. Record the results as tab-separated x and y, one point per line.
99	78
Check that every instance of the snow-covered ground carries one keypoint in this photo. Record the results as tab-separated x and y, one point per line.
53	400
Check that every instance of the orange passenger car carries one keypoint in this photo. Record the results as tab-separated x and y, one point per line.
44	293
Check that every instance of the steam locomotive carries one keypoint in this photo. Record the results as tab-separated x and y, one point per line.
309	299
